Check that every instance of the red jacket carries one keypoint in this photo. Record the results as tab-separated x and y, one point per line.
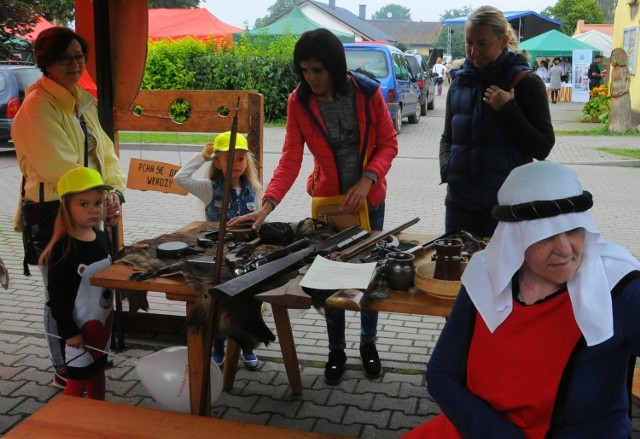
378	132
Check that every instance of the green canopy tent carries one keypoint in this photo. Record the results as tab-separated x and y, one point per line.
294	23
554	44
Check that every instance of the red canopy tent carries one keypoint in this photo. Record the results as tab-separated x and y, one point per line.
40	25
179	23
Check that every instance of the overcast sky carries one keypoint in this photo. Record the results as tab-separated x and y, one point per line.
236	12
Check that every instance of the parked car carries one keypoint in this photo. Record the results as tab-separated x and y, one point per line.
389	66
15	77
422	75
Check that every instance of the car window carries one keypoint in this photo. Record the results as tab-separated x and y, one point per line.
414	66
371	61
400	67
3	82
26	77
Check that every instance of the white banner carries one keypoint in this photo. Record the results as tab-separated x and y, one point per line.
580	79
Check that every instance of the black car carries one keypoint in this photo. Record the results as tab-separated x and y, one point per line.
421	73
15	77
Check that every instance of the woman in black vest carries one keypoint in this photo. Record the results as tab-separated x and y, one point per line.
497	118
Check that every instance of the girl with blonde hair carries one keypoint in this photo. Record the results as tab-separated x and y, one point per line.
246	192
77	250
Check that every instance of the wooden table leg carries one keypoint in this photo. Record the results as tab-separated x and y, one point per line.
198	358
231	357
288	347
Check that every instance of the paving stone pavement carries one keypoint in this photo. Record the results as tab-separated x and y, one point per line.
385	407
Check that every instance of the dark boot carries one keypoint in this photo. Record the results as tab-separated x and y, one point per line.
334	369
370	360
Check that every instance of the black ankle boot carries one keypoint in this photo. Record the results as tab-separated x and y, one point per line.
370	360
334	369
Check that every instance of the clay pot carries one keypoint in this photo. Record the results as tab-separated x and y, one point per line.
448	258
399	270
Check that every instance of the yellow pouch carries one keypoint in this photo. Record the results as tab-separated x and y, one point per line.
327	209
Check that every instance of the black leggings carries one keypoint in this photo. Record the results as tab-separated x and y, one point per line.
554	95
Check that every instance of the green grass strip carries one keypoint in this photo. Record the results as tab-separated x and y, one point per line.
632	153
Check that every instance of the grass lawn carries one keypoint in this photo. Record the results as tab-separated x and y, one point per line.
603	130
632	153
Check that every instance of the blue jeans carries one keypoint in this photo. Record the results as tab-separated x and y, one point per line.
368	319
479	223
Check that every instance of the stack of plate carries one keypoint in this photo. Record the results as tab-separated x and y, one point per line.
442	289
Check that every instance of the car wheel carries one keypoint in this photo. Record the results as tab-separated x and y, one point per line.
397	122
415	118
423	109
431	105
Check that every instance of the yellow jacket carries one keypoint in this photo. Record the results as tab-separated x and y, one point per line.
49	140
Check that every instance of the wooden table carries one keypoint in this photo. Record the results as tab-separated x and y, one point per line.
72	417
565	94
175	288
118	276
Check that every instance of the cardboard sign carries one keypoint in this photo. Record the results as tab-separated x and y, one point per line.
149	175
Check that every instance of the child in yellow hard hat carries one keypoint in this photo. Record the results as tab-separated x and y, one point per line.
79	249
244	198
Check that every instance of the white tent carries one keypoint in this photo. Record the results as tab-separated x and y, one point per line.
598	40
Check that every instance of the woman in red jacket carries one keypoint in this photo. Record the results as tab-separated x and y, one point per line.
343	119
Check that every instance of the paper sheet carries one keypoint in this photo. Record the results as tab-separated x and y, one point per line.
325	274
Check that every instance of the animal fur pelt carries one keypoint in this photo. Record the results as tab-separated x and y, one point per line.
238	318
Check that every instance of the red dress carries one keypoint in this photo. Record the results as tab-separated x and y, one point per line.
517	369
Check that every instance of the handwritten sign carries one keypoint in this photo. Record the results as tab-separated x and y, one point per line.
149	175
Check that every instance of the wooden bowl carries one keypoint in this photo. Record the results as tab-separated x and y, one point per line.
442	289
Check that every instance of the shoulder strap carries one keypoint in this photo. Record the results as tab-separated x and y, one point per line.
518	78
83	125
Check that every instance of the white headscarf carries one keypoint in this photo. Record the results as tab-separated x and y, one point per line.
488	276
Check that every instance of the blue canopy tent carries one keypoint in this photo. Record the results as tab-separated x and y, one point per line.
527	24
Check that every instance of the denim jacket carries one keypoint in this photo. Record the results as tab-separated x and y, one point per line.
238	204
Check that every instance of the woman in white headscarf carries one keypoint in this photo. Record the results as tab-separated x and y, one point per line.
541	336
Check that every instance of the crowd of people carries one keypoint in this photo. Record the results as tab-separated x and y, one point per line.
500	368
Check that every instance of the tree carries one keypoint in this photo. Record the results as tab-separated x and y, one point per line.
570	11
173	4
455	31
392	11
17	18
609	9
59	12
280	7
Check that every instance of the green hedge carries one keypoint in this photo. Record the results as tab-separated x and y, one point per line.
263	64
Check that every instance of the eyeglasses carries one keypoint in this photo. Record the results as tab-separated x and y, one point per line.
66	60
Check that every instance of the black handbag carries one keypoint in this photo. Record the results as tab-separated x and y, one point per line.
37	220
36	235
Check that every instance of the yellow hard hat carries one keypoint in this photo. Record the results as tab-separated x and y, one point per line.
80	180
221	142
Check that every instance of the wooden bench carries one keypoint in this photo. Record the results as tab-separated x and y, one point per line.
70	416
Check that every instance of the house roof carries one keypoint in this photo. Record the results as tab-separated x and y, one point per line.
582	27
349	19
413	33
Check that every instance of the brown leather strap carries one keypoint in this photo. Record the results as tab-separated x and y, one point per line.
517	79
